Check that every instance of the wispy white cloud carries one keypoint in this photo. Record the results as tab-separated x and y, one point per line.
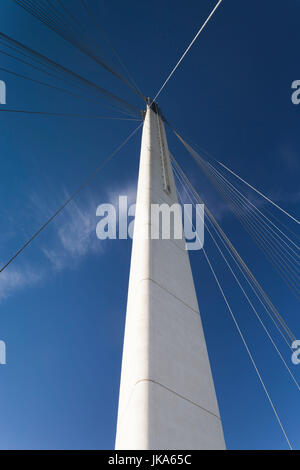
74	235
129	190
71	237
14	279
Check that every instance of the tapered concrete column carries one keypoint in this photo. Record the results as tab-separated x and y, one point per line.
167	396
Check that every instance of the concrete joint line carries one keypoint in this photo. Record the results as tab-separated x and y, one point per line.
173	295
177	394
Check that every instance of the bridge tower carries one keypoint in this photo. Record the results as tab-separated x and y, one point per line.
167	397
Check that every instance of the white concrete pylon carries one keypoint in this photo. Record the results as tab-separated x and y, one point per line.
167	396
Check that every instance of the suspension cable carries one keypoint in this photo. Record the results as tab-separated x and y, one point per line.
187	50
243	340
94	116
91	16
73	195
64	70
248	275
286	269
61	32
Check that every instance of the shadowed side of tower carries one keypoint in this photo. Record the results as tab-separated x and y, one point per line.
167	396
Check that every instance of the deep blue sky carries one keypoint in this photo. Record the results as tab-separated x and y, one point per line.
63	301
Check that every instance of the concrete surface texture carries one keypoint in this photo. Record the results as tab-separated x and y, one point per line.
167	396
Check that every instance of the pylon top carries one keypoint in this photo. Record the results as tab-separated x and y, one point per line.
154	106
